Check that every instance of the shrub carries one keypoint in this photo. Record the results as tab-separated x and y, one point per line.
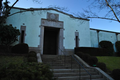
80	54
117	45
26	71
117	53
93	61
107	45
32	54
5	49
91	51
102	66
21	48
116	74
32	59
86	57
8	34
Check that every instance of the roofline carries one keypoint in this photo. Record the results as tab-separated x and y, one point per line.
34	9
105	31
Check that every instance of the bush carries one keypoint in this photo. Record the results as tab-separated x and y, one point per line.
117	45
84	56
26	71
117	53
32	54
80	54
116	74
5	49
107	45
102	66
92	51
8	34
32	59
93	61
21	48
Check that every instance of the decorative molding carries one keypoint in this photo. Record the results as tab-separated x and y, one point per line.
53	24
48	23
52	16
76	33
23	27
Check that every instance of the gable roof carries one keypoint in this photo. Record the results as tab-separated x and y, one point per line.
35	9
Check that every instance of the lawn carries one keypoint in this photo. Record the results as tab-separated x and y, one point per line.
111	62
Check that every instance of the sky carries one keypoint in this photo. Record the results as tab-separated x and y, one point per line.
74	6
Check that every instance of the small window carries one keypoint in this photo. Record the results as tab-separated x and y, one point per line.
77	41
22	36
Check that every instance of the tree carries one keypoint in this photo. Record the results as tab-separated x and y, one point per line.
111	7
5	11
8	33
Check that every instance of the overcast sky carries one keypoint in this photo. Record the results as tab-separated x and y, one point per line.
74	6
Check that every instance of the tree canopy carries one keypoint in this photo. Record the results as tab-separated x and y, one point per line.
111	9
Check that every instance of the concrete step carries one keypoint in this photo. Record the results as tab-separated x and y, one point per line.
63	71
73	74
62	64
70	70
97	79
60	67
77	77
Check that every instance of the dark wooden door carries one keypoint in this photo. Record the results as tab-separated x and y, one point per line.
50	41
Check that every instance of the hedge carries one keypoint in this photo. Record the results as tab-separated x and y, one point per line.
21	48
92	51
102	66
116	74
117	45
107	45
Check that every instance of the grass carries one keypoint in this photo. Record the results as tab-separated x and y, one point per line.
5	60
111	62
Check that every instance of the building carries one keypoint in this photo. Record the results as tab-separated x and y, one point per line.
49	31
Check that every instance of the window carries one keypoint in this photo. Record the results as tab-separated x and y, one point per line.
22	34
76	39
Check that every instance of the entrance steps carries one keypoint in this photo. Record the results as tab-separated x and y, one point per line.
62	69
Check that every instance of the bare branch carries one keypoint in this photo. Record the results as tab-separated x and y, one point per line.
59	8
13	5
116	5
112	11
104	18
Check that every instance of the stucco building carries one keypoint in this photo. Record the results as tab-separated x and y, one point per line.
49	31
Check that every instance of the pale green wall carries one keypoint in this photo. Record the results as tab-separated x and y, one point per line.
32	21
103	36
